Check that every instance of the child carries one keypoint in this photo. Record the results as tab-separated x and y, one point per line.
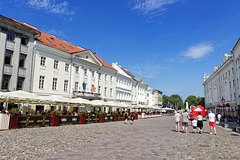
194	124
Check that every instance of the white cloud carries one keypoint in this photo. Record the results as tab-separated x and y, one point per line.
152	7
146	70
51	6
199	50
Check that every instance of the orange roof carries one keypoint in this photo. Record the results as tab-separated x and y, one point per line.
104	63
57	43
126	71
54	42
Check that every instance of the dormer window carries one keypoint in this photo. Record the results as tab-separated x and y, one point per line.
87	57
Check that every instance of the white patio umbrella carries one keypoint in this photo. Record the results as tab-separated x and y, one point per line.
80	101
56	99
112	104
20	96
98	103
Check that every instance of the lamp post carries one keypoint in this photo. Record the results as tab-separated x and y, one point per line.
225	120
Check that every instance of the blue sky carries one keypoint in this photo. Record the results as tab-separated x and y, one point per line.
170	43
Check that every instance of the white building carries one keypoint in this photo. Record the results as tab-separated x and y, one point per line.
150	97
141	91
123	84
219	87
16	47
236	60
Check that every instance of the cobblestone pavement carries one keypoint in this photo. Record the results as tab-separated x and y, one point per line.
153	138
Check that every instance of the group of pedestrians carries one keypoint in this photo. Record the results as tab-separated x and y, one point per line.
196	122
127	117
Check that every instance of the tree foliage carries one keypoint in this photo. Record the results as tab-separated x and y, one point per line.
175	100
193	100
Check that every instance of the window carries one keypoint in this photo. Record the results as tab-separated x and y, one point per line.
8	57
111	92
77	69
63	47
22	60
111	79
55	64
99	89
105	77
76	86
99	75
92	74
41	82
65	85
20	83
228	73
54	84
5	82
10	36
24	41
105	91
233	84
85	72
230	84
66	67
43	61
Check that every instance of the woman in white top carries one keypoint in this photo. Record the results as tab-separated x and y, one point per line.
200	122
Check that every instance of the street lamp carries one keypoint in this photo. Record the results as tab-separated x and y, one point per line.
225	115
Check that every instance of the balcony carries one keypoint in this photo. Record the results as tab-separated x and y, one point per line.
22	72
24	49
7	69
87	95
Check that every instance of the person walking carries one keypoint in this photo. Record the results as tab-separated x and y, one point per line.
184	120
177	117
132	117
219	117
194	124
125	115
212	122
191	117
200	122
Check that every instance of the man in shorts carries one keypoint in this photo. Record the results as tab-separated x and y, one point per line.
177	117
212	122
184	119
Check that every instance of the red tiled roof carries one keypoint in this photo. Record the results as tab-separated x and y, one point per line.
126	71
56	42
104	63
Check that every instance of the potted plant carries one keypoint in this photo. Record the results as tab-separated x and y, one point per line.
55	117
101	116
136	115
13	118
82	117
115	113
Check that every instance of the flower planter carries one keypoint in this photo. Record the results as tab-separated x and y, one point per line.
55	120
115	117
136	116
13	124
101	118
82	119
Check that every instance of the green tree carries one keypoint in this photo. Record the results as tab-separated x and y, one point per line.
192	100
177	101
201	101
166	99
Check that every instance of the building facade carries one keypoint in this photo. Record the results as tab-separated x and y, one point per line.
123	85
15	55
219	87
